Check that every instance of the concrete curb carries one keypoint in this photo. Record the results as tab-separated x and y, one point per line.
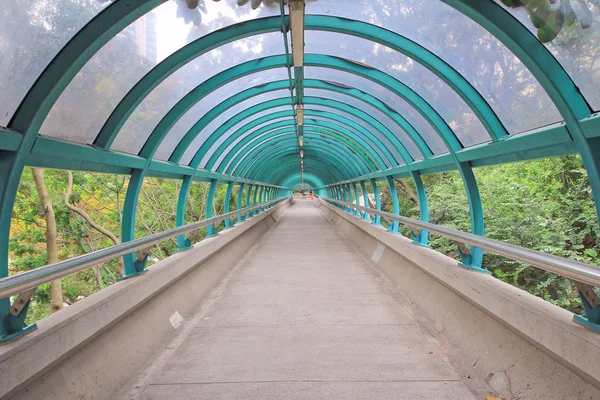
496	326
95	345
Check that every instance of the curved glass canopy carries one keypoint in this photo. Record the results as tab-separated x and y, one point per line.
269	95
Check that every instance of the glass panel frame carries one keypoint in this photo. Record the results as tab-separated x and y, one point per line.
521	103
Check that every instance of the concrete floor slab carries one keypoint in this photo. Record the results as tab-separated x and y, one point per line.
318	308
305	352
312	391
305	318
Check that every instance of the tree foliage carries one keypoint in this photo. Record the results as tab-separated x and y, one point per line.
101	198
544	205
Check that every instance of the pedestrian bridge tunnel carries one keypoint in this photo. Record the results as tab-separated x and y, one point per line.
306	285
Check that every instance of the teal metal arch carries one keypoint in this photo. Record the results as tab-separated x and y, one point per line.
312	22
373	157
227	204
329	116
427	110
472	260
116	16
313	167
233	101
273	129
323	167
468	179
34	109
289	166
253	66
341	157
296	177
547	70
244	69
249	112
310	170
314	136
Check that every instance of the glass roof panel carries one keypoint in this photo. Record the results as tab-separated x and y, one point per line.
369	140
391	100
139	126
257	148
576	44
88	101
33	32
410	146
512	91
455	111
199	140
207	103
311	123
376	134
149	113
239	139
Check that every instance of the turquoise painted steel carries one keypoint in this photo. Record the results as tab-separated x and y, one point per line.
554	140
337	121
289	141
377	219
547	70
356	198
259	194
171	64
272	24
296	177
210	201
548	141
36	105
133	266
267	105
182	242
343	167
115	17
340	195
263	192
289	164
255	199
275	136
241	216
471	191
343	164
422	237
395	203
473	260
226	205
347	196
248	198
266	132
212	84
365	198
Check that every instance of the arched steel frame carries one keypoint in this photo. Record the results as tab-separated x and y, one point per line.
23	146
277	137
322	128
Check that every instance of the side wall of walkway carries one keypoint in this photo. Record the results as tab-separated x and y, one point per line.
92	348
525	347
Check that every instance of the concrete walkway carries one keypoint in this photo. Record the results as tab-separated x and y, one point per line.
303	317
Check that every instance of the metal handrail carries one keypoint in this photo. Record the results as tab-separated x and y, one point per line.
19	283
575	270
